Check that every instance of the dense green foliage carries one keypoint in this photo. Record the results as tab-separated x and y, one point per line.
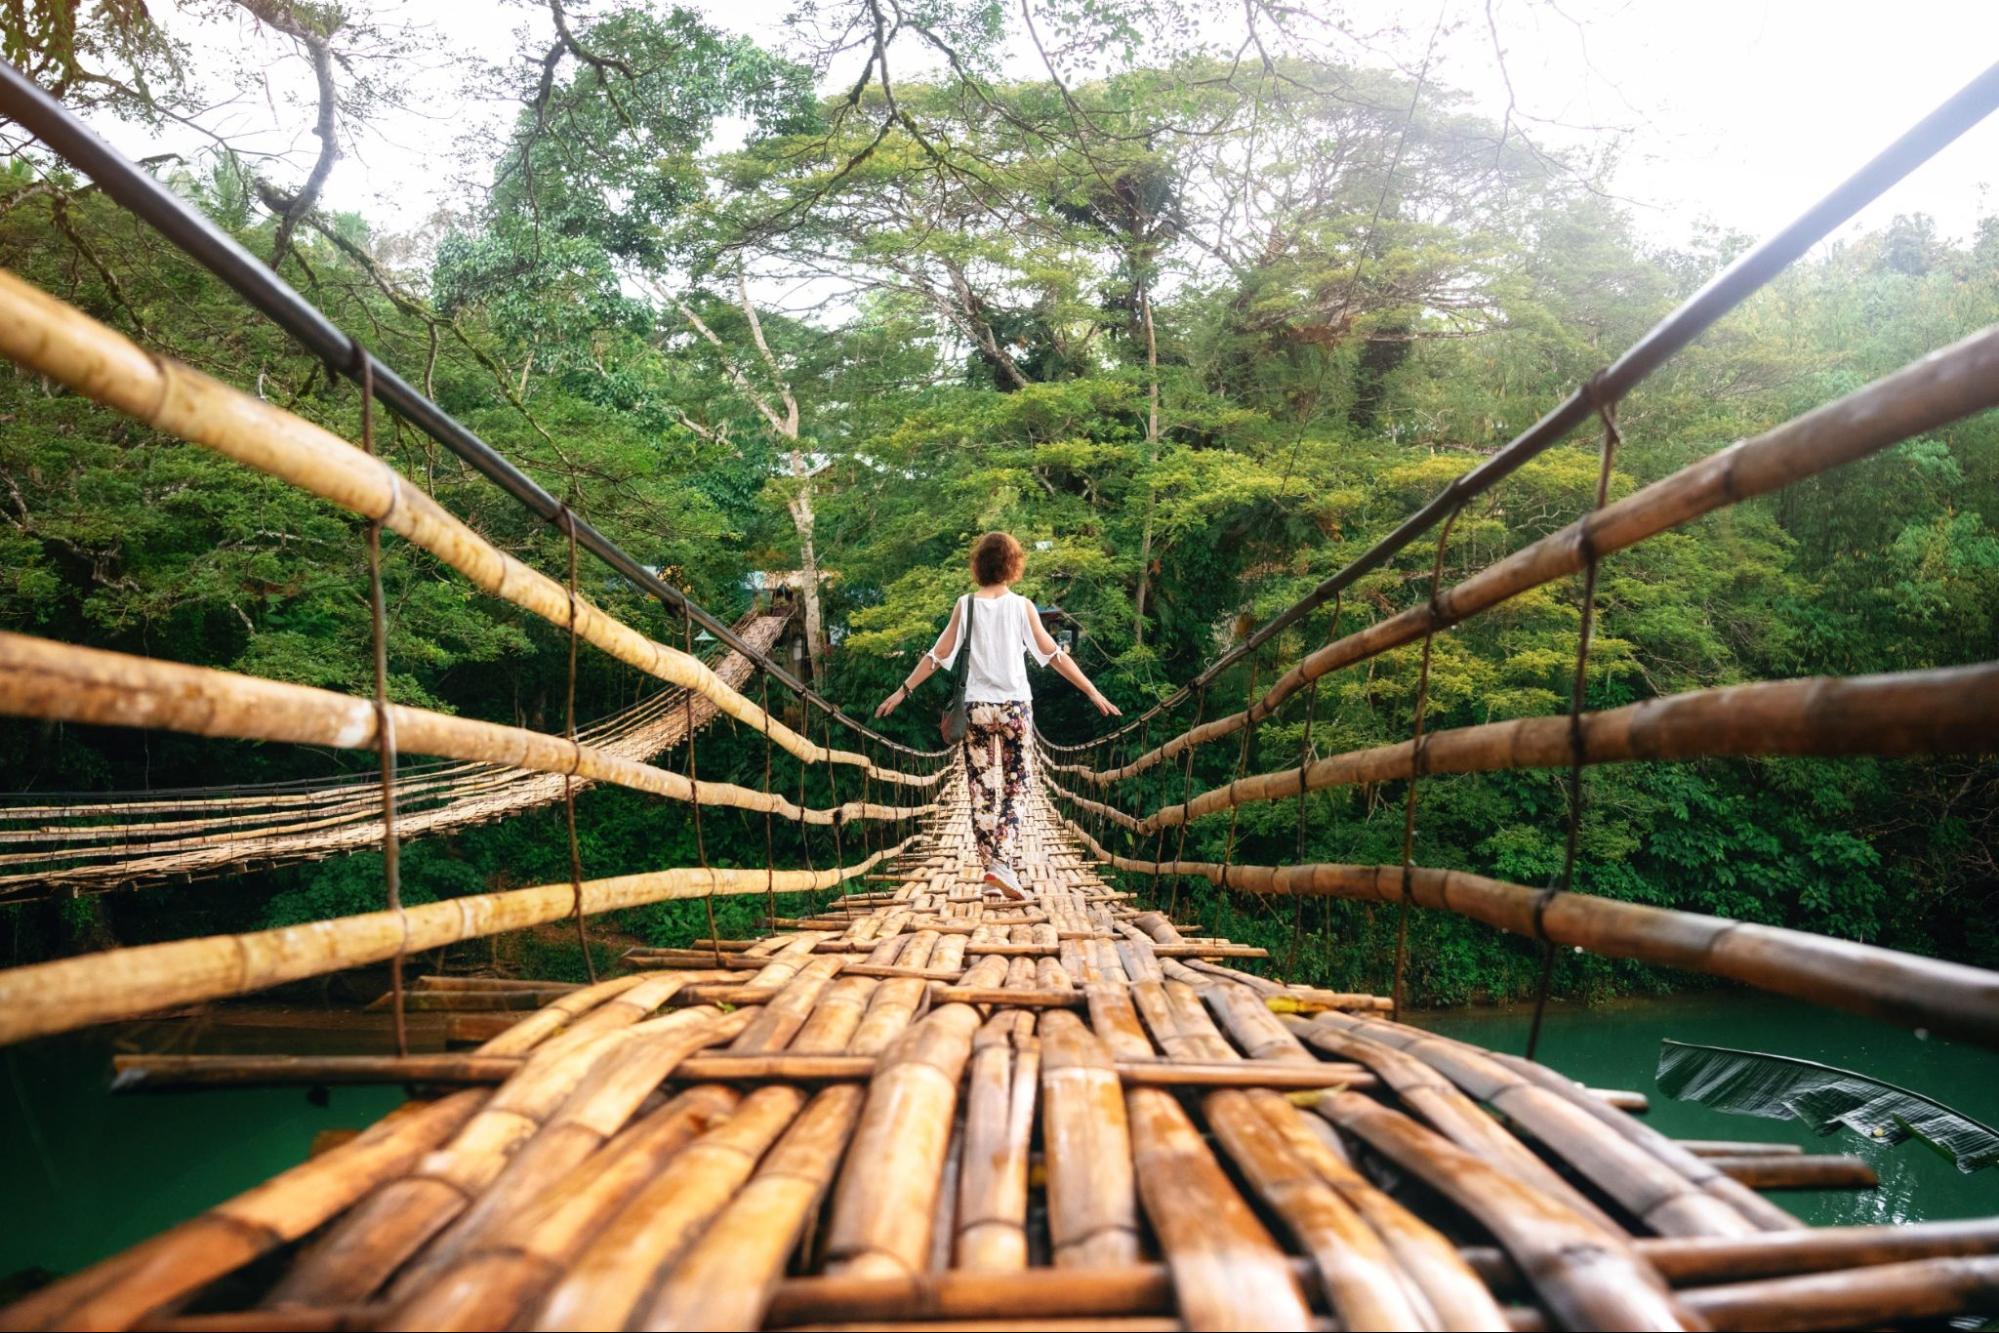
1196	356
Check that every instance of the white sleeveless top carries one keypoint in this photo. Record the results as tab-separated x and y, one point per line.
1002	641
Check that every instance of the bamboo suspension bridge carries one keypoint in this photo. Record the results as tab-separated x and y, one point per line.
913	1107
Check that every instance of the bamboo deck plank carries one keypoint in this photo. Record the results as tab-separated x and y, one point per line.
921	1108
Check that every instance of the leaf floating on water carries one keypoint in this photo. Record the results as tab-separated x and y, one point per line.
1781	1087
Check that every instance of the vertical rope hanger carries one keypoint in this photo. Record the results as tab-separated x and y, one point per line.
1418	751
575	757
1159	843
1186	795
1129	750
833	802
1586	539
1304	760
385	729
770	833
805	827
1096	762
1134	838
1241	767
694	801
867	795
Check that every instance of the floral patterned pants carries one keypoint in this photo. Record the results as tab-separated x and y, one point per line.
996	750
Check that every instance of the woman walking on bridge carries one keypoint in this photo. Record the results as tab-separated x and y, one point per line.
1005	630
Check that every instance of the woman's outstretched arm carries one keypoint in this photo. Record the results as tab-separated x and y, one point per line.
1055	655
947	644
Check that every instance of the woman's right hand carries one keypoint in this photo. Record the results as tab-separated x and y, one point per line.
888	705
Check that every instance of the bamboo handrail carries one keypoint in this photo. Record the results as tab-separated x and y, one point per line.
62	682
1948	384
1952	710
55	339
654	722
232	831
1951	999
71	993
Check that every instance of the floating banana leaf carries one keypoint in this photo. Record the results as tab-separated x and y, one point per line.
1778	1087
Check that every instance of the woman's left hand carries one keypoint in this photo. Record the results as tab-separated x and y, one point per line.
1105	706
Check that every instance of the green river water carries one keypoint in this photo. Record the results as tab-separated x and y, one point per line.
87	1174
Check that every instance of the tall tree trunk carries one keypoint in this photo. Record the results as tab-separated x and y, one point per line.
1151	451
800	506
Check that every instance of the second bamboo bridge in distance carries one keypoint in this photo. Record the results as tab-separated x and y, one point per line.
915	1107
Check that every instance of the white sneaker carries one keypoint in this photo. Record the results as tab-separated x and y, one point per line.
1001	877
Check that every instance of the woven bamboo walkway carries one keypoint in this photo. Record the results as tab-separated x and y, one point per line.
928	1108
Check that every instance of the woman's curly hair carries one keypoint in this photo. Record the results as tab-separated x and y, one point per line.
997	558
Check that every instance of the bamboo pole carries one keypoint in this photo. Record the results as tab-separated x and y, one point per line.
1439	1104
43	333
1948	998
1888	1295
1034	1293
71	993
1738	1148
1441	1282
726	1279
1147	1288
1948	384
991	1216
1662	1199
61	682
1588	1276
610	1277
345	813
888	1193
1086	1144
606	1098
1951	710
1227	1271
1365	1286
1707	1259
1623	1157
351	1259
1833	1171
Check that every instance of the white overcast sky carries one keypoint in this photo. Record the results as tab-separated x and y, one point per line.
1738	112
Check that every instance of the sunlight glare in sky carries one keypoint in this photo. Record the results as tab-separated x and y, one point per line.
1735	112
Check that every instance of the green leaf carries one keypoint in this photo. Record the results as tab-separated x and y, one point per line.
1781	1087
